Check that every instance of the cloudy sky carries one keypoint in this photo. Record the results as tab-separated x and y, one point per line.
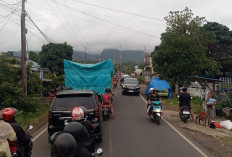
83	24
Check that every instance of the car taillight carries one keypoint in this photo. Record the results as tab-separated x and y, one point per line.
50	117
105	105
96	109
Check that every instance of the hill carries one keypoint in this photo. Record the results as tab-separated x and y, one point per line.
127	55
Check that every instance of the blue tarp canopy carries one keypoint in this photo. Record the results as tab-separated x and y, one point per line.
96	77
160	85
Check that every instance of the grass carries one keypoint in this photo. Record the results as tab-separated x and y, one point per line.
195	103
26	118
225	139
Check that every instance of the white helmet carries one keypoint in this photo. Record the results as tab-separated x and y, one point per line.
151	89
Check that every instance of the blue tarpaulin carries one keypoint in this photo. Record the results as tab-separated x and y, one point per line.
96	77
160	85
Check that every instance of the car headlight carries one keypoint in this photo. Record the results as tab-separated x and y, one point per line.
123	86
137	86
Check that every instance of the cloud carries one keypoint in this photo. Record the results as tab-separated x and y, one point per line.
78	29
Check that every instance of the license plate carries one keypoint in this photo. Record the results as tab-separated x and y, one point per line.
186	112
130	91
66	122
158	114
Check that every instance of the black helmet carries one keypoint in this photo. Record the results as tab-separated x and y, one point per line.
76	129
107	90
64	145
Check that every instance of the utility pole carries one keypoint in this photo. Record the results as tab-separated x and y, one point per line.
120	64
23	48
144	56
114	58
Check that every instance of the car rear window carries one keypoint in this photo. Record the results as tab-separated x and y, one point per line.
128	81
67	102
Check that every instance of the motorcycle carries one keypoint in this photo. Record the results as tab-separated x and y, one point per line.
105	112
115	83
185	113
26	147
156	111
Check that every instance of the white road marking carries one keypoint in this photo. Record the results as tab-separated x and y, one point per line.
36	137
181	135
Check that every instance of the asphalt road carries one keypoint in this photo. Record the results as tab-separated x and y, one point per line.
133	134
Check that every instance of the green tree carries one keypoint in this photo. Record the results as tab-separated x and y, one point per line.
221	50
33	56
52	56
182	49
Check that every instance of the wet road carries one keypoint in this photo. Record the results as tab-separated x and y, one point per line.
133	134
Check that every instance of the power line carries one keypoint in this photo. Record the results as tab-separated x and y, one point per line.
111	22
75	25
43	34
118	10
10	15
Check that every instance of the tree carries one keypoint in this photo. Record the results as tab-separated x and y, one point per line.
182	49
52	56
33	56
221	50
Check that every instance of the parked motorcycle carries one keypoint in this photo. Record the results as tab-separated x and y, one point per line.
156	111
106	112
184	113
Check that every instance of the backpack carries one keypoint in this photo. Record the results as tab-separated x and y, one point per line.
106	98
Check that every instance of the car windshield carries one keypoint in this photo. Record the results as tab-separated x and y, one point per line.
129	81
67	102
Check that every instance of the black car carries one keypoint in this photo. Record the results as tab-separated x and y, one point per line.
65	101
130	85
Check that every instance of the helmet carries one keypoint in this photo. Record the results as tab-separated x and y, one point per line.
9	114
75	129
107	90
64	146
151	89
77	113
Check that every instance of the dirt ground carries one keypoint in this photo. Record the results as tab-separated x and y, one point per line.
217	141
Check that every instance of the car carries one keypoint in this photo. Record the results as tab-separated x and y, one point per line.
124	77
60	110
130	85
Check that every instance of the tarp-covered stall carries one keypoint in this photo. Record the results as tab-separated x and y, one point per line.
160	85
96	77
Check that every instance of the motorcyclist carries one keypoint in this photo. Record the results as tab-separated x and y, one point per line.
149	95
81	135
7	133
184	100
22	138
154	97
65	145
108	99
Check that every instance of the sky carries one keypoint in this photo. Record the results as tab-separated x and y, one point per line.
96	28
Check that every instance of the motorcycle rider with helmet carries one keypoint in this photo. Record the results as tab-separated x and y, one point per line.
65	145
79	114
107	98
184	100
78	131
149	95
153	97
23	139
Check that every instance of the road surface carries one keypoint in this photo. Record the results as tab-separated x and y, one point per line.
133	134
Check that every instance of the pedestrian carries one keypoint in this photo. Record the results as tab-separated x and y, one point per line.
210	107
6	133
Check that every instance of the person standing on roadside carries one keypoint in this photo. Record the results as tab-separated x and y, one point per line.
184	100
6	133
210	107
